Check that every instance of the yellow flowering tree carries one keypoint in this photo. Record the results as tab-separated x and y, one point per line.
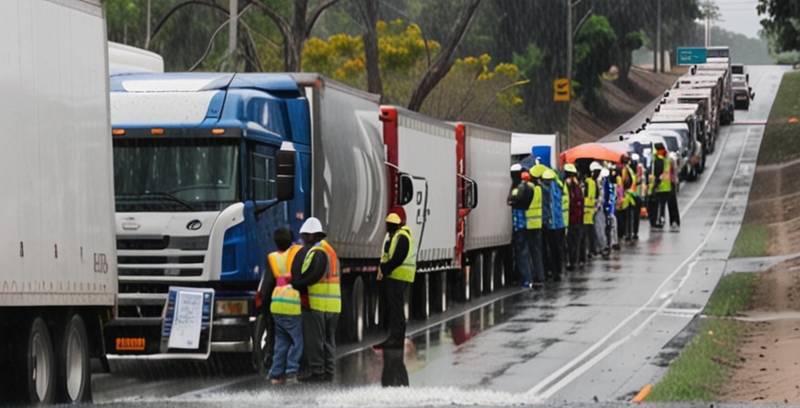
473	90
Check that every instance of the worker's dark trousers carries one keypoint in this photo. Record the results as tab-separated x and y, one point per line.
622	223
395	311
636	217
554	239
535	246
319	341
587	242
574	244
672	204
652	210
661	214
522	256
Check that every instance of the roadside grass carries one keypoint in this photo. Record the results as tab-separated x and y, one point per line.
752	241
732	294
781	140
702	367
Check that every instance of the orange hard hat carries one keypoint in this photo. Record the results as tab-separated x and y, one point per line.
525	176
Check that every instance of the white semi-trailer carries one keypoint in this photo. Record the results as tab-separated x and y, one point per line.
58	280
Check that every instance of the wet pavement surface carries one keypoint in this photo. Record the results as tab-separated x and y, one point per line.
601	334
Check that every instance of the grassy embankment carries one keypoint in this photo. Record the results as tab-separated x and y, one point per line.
703	366
779	145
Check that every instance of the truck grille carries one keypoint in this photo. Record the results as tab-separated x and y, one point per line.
161	256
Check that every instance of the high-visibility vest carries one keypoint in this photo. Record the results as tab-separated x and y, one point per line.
665	184
630	194
564	201
285	299
589	201
533	215
407	270
325	295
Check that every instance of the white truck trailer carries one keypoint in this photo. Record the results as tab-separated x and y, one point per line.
58	281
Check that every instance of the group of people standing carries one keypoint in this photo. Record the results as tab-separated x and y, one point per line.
301	298
562	221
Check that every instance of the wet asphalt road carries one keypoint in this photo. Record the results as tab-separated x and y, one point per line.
601	334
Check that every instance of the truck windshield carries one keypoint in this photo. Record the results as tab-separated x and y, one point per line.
175	175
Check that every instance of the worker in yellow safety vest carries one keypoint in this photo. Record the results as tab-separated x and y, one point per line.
318	279
285	310
662	184
534	223
397	269
589	241
630	192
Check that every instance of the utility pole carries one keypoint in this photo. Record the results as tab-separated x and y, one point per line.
570	39
659	53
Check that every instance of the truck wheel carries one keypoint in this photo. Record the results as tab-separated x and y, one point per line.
499	269
488	272
475	277
74	372
358	314
40	364
261	352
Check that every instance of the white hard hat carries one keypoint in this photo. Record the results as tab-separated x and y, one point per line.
311	226
635	157
594	166
604	173
516	167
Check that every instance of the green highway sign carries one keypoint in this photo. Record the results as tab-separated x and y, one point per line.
691	55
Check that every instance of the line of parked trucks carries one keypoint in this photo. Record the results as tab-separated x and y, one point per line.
123	182
688	118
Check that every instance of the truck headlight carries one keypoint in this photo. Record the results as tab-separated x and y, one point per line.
231	307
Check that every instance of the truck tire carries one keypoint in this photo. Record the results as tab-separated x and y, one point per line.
359	319
39	363
261	356
476	277
488	272
74	369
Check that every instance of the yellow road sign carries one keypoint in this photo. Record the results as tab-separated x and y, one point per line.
561	90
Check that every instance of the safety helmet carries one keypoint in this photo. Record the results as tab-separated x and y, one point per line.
311	226
549	175
595	166
635	157
525	176
516	167
538	170
570	168
604	173
393	218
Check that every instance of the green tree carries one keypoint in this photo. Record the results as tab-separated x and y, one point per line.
592	58
782	27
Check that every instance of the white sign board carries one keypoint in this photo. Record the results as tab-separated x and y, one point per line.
186	325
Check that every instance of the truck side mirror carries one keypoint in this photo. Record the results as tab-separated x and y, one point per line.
286	170
406	189
471	194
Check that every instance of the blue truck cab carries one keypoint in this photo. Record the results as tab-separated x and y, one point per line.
206	166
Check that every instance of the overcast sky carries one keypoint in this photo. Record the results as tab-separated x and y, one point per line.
739	16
